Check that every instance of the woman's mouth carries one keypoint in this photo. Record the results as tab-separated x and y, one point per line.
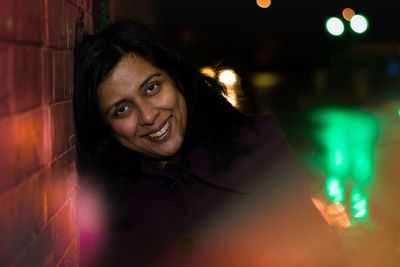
162	133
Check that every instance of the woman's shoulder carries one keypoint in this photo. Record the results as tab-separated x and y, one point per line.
262	130
268	121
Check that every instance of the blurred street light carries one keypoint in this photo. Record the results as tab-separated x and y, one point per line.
359	23
348	13
264	3
334	26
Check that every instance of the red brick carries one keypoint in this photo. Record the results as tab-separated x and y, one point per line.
71	258
24	206
80	3
72	125
61	183
40	252
47	75
69	75
29	20
47	130
88	22
41	201
65	232
7	19
61	117
57	23
59	76
57	241
37	173
72	16
88	6
5	74
27	77
22	146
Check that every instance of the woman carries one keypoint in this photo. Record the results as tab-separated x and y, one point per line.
187	179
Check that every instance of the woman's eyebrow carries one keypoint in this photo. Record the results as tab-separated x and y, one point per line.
149	78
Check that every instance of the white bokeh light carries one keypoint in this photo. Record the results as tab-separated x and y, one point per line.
334	26
227	77
359	23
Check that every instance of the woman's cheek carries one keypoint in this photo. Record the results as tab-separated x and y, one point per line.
125	127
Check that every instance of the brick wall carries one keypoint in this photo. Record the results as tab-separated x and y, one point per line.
37	171
139	10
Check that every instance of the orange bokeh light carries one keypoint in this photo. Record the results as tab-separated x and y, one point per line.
348	13
334	214
264	3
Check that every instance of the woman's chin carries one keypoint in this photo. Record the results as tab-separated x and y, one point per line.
167	150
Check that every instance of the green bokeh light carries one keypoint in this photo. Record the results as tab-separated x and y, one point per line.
359	204
335	189
348	138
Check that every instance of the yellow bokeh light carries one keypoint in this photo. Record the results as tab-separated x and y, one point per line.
348	13
232	98
264	79
231	82
227	77
208	71
264	3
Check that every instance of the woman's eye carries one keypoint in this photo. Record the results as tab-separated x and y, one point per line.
152	89
121	111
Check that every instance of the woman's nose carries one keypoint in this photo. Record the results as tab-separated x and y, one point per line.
147	114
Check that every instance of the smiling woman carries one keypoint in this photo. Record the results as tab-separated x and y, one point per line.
182	178
145	110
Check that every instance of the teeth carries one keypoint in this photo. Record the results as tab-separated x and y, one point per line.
162	131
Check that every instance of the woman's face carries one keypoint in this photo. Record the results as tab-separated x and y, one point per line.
143	107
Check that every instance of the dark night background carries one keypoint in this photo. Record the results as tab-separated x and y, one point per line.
288	38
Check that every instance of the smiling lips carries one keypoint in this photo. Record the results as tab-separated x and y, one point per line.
161	134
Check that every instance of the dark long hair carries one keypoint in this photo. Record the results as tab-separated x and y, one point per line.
212	121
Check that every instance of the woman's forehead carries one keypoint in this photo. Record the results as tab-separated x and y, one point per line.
130	70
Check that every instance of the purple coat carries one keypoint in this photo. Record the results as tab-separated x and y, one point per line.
257	212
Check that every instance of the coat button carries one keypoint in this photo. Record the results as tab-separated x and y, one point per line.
186	246
172	186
